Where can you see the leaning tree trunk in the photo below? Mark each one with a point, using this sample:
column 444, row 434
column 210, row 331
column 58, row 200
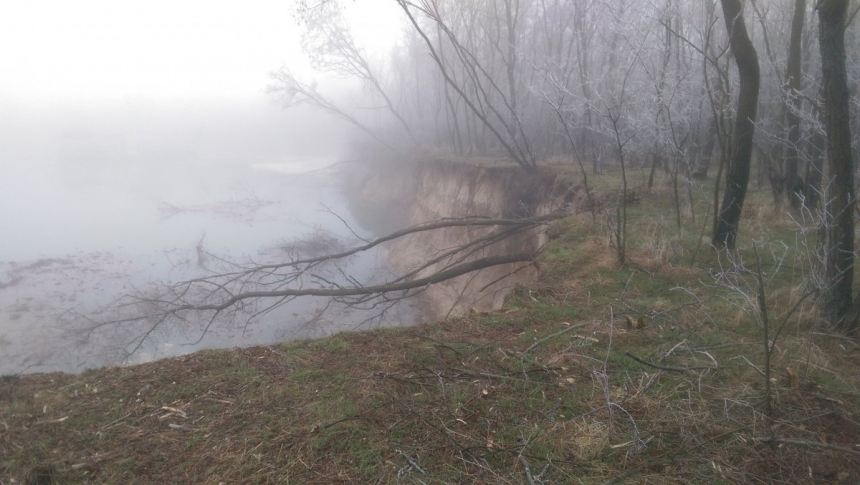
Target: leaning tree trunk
column 726, row 230
column 839, row 204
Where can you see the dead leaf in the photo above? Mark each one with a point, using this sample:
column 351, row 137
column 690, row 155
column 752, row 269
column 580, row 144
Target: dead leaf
column 636, row 324
column 793, row 381
column 491, row 439
column 554, row 359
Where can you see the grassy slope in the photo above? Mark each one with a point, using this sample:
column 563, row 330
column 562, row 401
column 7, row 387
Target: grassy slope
column 544, row 391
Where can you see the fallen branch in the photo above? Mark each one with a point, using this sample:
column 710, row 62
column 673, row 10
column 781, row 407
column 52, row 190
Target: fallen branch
column 253, row 290
column 364, row 290
column 53, row 421
column 181, row 427
column 115, row 421
column 666, row 368
column 476, row 221
column 560, row 332
column 809, row 444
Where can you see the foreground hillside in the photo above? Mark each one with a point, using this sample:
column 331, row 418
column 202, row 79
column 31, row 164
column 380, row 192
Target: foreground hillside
column 649, row 373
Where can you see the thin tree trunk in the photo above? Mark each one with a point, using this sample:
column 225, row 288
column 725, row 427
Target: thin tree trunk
column 708, row 150
column 511, row 18
column 450, row 111
column 585, row 82
column 793, row 182
column 661, row 84
column 815, row 167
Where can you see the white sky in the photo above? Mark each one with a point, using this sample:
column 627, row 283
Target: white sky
column 83, row 49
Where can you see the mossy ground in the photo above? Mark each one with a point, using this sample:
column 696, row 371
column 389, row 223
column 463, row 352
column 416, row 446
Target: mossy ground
column 550, row 389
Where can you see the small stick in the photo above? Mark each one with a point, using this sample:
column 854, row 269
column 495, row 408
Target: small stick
column 811, row 444
column 528, row 469
column 561, row 332
column 412, row 462
column 115, row 421
column 181, row 427
column 627, row 284
column 663, row 367
column 752, row 365
column 667, row 354
column 53, row 421
column 840, row 337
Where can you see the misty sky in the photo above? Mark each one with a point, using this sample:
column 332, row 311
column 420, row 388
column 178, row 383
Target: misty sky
column 60, row 49
column 112, row 111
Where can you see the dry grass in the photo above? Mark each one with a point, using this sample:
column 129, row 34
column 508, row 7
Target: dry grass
column 552, row 389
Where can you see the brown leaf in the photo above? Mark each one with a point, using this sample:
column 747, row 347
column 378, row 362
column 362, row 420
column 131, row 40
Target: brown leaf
column 793, row 381
column 637, row 324
column 629, row 320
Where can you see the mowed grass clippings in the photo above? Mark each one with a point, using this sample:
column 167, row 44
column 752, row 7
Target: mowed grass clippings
column 647, row 373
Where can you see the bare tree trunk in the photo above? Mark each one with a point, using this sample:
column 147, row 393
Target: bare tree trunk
column 739, row 170
column 704, row 163
column 450, row 111
column 658, row 117
column 478, row 79
column 815, row 166
column 793, row 182
column 839, row 206
column 584, row 38
column 512, row 13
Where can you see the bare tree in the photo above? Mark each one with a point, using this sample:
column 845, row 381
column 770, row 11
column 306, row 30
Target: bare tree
column 500, row 117
column 290, row 91
column 726, row 229
column 332, row 49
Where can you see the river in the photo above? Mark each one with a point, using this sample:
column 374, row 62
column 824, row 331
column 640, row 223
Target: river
column 90, row 220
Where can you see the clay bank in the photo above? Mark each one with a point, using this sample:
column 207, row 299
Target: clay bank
column 387, row 196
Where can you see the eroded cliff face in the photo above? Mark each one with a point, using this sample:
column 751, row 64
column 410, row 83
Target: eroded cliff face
column 407, row 194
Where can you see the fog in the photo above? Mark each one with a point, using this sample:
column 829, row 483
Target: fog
column 139, row 146
column 74, row 172
column 101, row 198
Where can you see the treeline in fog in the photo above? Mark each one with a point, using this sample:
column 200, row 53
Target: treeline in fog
column 576, row 80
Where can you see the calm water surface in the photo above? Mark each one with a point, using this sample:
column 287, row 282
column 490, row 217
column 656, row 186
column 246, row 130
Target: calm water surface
column 80, row 231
